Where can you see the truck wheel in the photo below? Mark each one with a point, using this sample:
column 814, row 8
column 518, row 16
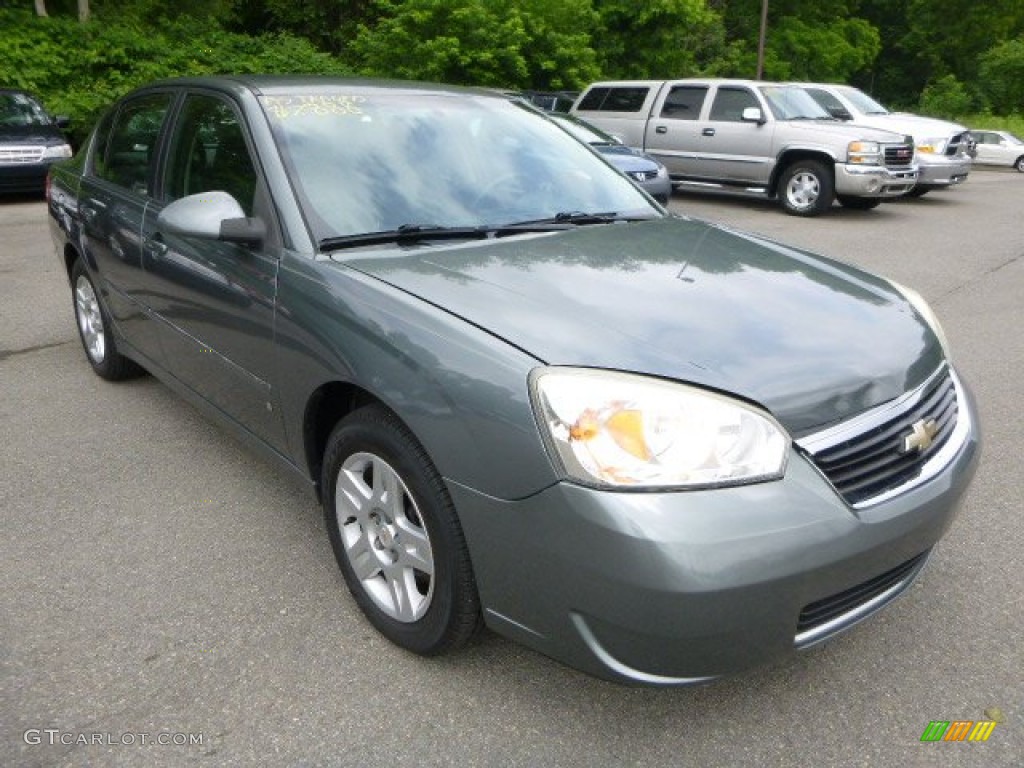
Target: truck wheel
column 859, row 203
column 806, row 188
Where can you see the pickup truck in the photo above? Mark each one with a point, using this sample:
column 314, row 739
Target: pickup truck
column 943, row 148
column 754, row 138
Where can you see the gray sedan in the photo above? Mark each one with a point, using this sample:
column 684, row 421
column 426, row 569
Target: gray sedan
column 528, row 398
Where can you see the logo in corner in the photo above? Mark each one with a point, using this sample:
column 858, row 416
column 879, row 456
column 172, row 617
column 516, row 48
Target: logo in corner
column 921, row 435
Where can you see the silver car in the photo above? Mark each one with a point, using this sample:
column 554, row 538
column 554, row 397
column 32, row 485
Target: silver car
column 999, row 148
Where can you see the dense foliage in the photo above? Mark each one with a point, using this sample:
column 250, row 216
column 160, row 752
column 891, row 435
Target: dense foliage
column 945, row 57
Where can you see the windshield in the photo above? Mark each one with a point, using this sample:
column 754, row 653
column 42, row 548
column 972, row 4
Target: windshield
column 366, row 160
column 19, row 110
column 1012, row 138
column 788, row 102
column 862, row 102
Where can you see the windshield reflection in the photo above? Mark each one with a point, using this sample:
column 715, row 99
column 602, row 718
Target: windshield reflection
column 373, row 160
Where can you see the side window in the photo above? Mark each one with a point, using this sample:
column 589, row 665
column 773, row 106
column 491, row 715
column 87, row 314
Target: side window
column 594, row 99
column 625, row 99
column 129, row 151
column 684, row 102
column 208, row 152
column 730, row 102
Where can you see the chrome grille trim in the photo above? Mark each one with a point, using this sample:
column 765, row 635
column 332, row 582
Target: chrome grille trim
column 863, row 600
column 860, row 427
column 17, row 155
column 898, row 155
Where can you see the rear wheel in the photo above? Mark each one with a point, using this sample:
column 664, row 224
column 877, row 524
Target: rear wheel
column 95, row 332
column 1019, row 165
column 806, row 188
column 396, row 536
column 859, row 203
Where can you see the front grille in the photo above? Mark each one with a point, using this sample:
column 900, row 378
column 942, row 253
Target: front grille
column 878, row 459
column 20, row 155
column 958, row 144
column 643, row 175
column 829, row 609
column 899, row 155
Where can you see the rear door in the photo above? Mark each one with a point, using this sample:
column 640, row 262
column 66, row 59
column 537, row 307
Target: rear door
column 216, row 299
column 116, row 189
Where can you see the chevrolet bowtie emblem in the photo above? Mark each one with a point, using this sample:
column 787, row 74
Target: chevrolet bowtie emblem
column 920, row 437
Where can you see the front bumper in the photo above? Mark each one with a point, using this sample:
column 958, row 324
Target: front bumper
column 874, row 181
column 938, row 171
column 675, row 588
column 26, row 178
column 660, row 188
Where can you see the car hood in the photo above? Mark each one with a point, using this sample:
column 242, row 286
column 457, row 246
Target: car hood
column 31, row 134
column 917, row 126
column 812, row 340
column 825, row 132
column 626, row 159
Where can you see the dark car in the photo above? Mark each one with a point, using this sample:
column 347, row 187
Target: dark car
column 30, row 142
column 643, row 169
column 527, row 397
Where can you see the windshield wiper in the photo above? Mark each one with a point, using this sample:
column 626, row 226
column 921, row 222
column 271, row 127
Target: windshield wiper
column 581, row 218
column 417, row 233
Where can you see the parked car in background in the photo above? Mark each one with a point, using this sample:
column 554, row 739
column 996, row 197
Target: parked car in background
column 943, row 148
column 753, row 138
column 998, row 148
column 644, row 170
column 526, row 395
column 30, row 141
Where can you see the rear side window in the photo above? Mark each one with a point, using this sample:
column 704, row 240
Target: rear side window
column 615, row 99
column 730, row 102
column 684, row 102
column 126, row 160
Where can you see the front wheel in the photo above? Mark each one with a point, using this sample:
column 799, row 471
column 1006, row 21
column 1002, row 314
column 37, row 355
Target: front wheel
column 396, row 536
column 859, row 203
column 94, row 329
column 806, row 188
column 918, row 191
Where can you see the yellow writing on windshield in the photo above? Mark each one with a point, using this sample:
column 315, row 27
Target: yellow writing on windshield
column 284, row 107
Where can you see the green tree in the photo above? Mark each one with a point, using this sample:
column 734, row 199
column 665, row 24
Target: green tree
column 1001, row 77
column 658, row 38
column 479, row 42
column 945, row 97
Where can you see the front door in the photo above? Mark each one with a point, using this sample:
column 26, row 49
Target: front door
column 216, row 298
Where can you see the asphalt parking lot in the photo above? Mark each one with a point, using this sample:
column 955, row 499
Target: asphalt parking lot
column 161, row 583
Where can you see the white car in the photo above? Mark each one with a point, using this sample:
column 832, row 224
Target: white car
column 999, row 148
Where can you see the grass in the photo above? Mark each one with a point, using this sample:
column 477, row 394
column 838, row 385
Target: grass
column 1012, row 123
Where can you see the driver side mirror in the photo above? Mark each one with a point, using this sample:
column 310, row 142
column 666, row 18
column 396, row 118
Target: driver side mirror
column 753, row 115
column 212, row 216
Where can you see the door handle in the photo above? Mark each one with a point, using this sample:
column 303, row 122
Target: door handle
column 156, row 247
column 661, row 129
column 708, row 132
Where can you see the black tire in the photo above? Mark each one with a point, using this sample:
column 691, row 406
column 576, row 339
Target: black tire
column 95, row 330
column 859, row 203
column 1019, row 164
column 383, row 544
column 806, row 188
column 918, row 191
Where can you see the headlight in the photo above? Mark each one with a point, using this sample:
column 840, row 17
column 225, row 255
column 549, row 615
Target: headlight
column 925, row 311
column 624, row 430
column 863, row 153
column 932, row 146
column 57, row 152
